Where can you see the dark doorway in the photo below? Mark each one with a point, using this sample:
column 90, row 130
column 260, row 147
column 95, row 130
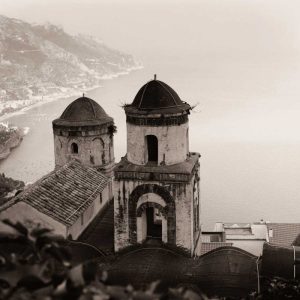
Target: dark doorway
column 154, row 227
column 152, row 145
column 74, row 148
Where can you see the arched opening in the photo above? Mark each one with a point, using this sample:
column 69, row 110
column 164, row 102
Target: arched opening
column 154, row 223
column 138, row 213
column 151, row 220
column 152, row 148
column 74, row 148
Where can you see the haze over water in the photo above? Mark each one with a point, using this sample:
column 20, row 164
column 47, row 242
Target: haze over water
column 237, row 60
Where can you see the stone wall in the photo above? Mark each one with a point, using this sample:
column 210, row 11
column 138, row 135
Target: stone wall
column 178, row 198
column 88, row 215
column 93, row 150
column 173, row 146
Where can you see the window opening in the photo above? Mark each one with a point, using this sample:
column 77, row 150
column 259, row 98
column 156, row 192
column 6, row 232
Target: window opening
column 152, row 146
column 74, row 148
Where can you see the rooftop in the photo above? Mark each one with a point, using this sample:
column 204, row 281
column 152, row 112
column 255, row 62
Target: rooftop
column 283, row 233
column 226, row 269
column 176, row 172
column 64, row 193
column 157, row 97
column 83, row 112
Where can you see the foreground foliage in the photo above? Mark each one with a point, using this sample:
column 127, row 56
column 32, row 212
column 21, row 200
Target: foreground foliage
column 40, row 268
column 35, row 264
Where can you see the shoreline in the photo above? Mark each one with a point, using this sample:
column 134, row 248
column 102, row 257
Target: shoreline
column 70, row 93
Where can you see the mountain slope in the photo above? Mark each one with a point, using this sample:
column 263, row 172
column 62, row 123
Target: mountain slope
column 38, row 60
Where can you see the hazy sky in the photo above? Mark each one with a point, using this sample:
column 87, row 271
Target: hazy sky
column 251, row 28
column 244, row 49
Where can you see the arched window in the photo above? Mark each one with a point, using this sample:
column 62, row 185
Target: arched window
column 152, row 148
column 74, row 148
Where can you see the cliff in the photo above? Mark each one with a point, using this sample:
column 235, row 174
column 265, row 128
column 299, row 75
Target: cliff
column 10, row 137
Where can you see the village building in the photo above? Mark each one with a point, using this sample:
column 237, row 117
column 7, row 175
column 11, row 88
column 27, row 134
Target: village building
column 68, row 198
column 247, row 236
column 283, row 234
column 156, row 191
column 211, row 240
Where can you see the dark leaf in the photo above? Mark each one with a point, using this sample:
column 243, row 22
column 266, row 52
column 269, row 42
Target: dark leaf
column 89, row 272
column 4, row 284
column 36, row 232
column 17, row 226
column 43, row 241
column 31, row 283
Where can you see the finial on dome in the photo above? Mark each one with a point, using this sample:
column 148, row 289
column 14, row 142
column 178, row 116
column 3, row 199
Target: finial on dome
column 154, row 76
column 82, row 94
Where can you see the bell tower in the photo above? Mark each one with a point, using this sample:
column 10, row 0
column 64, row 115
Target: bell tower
column 85, row 132
column 156, row 190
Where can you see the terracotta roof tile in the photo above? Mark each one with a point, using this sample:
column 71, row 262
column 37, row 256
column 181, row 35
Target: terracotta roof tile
column 283, row 233
column 206, row 247
column 64, row 193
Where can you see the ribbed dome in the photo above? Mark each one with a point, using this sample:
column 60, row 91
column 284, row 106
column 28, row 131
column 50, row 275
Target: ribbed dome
column 83, row 111
column 156, row 95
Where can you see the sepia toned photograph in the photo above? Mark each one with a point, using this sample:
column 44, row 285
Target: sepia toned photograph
column 149, row 149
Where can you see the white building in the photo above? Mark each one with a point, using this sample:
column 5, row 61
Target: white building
column 247, row 236
column 65, row 200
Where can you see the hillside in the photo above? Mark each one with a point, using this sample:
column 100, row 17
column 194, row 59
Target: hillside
column 40, row 60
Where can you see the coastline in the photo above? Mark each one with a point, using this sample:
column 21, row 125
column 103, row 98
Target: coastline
column 66, row 94
column 16, row 139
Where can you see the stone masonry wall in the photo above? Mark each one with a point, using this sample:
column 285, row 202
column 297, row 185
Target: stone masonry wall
column 181, row 194
column 172, row 143
column 94, row 151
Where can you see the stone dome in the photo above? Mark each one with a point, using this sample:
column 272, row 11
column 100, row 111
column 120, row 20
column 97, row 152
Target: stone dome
column 157, row 95
column 83, row 112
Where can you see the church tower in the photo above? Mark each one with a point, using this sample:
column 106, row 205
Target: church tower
column 156, row 190
column 85, row 132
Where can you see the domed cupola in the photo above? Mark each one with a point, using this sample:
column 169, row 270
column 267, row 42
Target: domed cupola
column 83, row 112
column 157, row 96
column 84, row 132
column 158, row 119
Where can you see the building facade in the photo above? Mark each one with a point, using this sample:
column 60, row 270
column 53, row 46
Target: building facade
column 156, row 187
column 66, row 200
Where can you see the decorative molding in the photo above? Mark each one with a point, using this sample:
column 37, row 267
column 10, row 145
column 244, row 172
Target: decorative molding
column 162, row 121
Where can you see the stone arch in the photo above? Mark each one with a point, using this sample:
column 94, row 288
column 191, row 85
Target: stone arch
column 145, row 205
column 169, row 210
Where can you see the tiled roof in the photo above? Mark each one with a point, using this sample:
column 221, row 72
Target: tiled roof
column 83, row 112
column 157, row 96
column 283, row 233
column 296, row 242
column 64, row 193
column 206, row 247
